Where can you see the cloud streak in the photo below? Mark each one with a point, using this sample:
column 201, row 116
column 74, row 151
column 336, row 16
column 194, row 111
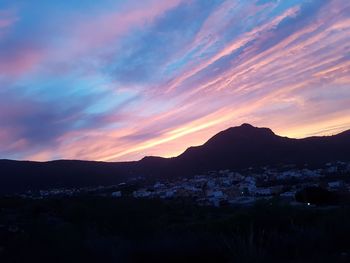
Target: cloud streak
column 127, row 80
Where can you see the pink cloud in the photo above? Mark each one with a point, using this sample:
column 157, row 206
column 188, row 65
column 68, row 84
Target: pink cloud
column 21, row 61
column 280, row 80
column 89, row 33
column 5, row 22
column 7, row 18
column 234, row 45
column 84, row 35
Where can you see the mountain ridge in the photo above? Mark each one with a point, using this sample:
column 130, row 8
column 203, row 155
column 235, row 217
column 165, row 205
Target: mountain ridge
column 234, row 148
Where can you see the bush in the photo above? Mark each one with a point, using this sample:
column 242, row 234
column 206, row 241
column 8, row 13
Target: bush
column 316, row 196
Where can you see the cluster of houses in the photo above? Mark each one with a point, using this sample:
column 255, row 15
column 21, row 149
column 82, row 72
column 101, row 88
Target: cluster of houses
column 226, row 187
column 244, row 188
column 69, row 192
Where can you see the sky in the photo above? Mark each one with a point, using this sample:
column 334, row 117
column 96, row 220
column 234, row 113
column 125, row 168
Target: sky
column 118, row 80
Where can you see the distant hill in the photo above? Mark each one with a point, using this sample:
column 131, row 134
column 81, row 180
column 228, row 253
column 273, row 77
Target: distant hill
column 235, row 148
column 248, row 146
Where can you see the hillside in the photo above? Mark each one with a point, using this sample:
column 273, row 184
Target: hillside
column 235, row 148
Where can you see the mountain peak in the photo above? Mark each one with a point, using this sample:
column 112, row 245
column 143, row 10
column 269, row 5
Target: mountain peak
column 247, row 125
column 243, row 134
column 247, row 129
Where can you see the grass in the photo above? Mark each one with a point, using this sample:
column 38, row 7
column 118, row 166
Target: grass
column 93, row 229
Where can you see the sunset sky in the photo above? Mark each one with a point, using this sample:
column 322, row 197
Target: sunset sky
column 118, row 80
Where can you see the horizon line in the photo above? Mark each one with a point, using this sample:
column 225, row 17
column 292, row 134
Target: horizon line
column 169, row 157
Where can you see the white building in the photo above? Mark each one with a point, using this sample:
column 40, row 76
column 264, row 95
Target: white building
column 117, row 194
column 263, row 191
column 141, row 194
column 335, row 184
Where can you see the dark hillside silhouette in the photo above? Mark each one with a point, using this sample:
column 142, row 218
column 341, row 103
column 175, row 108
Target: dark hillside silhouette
column 235, row 148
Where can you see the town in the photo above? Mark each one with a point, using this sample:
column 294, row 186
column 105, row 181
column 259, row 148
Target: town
column 223, row 187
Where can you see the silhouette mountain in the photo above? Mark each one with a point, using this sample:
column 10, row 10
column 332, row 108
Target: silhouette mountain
column 247, row 146
column 235, row 148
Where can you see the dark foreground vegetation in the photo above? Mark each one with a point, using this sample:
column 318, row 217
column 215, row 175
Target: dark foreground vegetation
column 91, row 229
